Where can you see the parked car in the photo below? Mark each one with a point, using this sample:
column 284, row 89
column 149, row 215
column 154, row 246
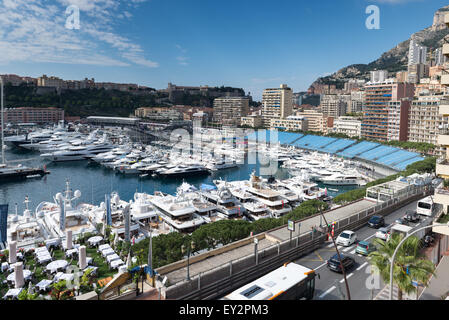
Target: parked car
column 383, row 233
column 364, row 248
column 334, row 263
column 346, row 238
column 402, row 221
column 411, row 216
column 376, row 222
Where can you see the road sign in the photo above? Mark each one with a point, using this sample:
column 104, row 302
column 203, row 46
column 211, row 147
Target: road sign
column 291, row 225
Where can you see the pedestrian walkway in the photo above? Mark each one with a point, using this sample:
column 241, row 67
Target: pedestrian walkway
column 439, row 284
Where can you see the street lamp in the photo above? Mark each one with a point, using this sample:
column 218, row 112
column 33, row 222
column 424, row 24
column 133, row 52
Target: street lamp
column 400, row 244
column 189, row 250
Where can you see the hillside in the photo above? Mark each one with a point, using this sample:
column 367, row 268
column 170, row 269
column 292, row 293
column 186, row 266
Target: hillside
column 395, row 59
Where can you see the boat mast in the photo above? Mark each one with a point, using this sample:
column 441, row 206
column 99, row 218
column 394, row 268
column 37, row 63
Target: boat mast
column 3, row 123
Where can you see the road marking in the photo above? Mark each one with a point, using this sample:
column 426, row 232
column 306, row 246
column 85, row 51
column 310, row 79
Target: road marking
column 320, row 266
column 348, row 248
column 362, row 266
column 352, row 252
column 326, row 292
column 418, row 224
column 330, row 245
column 369, row 237
column 347, row 277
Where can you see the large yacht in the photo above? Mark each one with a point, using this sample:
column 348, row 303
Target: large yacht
column 78, row 152
column 26, row 229
column 177, row 211
column 61, row 215
column 228, row 205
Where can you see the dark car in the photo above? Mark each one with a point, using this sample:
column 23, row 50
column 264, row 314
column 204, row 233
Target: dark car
column 411, row 216
column 334, row 263
column 376, row 222
column 402, row 221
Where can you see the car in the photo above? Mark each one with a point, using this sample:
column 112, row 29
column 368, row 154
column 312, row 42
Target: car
column 402, row 221
column 334, row 263
column 346, row 238
column 383, row 233
column 376, row 222
column 365, row 248
column 411, row 216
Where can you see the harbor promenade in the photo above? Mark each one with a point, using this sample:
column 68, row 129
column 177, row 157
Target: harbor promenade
column 223, row 255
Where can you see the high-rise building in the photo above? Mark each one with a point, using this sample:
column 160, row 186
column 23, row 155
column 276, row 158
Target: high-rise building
column 375, row 109
column 398, row 120
column 416, row 72
column 276, row 103
column 417, row 54
column 357, row 99
column 439, row 57
column 378, row 75
column 229, row 110
column 333, row 105
column 316, row 121
column 442, row 166
column 425, row 122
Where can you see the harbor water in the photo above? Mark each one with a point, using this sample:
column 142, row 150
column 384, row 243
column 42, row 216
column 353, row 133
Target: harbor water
column 94, row 181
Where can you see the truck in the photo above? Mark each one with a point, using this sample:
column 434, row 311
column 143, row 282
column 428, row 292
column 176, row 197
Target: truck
column 403, row 229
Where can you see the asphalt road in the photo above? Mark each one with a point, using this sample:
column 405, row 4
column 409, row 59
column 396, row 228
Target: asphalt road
column 362, row 285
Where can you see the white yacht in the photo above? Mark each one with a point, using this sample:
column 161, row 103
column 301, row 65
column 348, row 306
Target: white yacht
column 342, row 180
column 177, row 211
column 60, row 215
column 78, row 152
column 228, row 205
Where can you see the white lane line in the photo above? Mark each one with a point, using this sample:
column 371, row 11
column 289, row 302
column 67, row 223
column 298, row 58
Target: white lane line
column 347, row 277
column 348, row 248
column 362, row 266
column 330, row 245
column 369, row 237
column 417, row 224
column 352, row 252
column 320, row 266
column 326, row 292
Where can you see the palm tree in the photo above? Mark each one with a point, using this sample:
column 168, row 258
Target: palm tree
column 409, row 263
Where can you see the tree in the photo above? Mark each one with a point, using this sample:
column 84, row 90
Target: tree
column 26, row 295
column 59, row 290
column 409, row 264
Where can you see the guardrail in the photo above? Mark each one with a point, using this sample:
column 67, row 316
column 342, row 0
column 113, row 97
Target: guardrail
column 221, row 280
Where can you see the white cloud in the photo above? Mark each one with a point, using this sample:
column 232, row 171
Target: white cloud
column 34, row 31
column 182, row 59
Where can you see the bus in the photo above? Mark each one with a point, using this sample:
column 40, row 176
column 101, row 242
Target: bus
column 425, row 206
column 289, row 282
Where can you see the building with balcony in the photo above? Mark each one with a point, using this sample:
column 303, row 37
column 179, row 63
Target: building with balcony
column 442, row 166
column 316, row 121
column 375, row 109
column 349, row 126
column 292, row 123
column 398, row 119
column 277, row 103
column 334, row 105
column 229, row 110
column 252, row 121
column 33, row 115
column 425, row 121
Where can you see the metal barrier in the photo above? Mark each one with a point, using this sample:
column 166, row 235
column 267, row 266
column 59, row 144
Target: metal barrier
column 221, row 280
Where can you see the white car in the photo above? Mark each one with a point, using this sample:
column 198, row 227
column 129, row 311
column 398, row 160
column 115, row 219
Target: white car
column 346, row 238
column 383, row 233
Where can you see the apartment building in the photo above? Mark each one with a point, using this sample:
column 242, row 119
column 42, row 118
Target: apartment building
column 375, row 109
column 353, row 84
column 349, row 126
column 229, row 110
column 425, row 122
column 33, row 115
column 356, row 103
column 16, row 80
column 252, row 121
column 292, row 123
column 277, row 103
column 334, row 105
column 159, row 113
column 416, row 72
column 316, row 121
column 416, row 54
column 398, row 120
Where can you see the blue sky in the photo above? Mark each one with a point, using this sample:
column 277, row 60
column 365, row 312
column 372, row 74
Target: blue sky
column 242, row 43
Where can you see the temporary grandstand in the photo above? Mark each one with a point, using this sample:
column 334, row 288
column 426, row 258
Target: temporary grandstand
column 374, row 153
